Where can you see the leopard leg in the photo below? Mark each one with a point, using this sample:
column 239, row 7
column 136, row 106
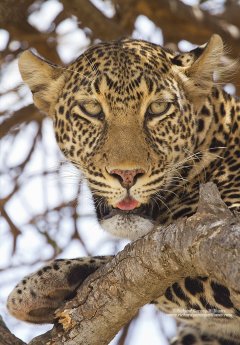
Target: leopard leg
column 39, row 294
column 191, row 335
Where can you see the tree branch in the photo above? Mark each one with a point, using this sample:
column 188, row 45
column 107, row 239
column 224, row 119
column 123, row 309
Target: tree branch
column 23, row 115
column 146, row 267
column 6, row 337
column 89, row 16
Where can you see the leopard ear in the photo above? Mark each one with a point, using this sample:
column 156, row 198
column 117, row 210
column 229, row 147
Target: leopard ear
column 198, row 66
column 43, row 78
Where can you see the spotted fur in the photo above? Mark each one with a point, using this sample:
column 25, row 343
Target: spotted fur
column 101, row 106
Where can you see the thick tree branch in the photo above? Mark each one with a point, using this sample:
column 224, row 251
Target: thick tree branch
column 89, row 16
column 6, row 337
column 192, row 23
column 145, row 268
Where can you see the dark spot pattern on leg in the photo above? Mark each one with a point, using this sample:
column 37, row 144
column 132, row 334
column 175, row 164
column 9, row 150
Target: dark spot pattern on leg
column 227, row 342
column 221, row 295
column 168, row 294
column 188, row 339
column 205, row 337
column 79, row 273
column 33, row 293
column 194, row 285
column 206, row 305
column 179, row 292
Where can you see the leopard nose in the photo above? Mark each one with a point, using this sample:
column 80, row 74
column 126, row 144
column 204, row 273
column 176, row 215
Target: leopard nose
column 127, row 178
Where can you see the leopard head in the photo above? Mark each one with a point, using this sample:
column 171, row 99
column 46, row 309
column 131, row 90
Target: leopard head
column 125, row 113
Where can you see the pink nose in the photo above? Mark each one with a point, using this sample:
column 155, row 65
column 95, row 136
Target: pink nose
column 127, row 178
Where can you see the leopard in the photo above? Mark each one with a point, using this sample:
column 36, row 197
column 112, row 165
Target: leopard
column 146, row 126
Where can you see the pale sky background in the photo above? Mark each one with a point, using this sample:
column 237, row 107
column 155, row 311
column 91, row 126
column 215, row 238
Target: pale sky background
column 152, row 327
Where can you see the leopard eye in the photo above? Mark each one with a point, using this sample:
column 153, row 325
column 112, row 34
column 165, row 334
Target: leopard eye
column 158, row 108
column 93, row 109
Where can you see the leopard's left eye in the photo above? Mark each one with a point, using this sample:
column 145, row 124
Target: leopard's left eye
column 93, row 109
column 158, row 108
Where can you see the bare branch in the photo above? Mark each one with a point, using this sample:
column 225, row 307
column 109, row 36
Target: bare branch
column 107, row 28
column 26, row 114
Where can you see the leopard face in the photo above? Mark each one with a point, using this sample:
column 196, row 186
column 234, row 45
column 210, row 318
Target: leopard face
column 126, row 114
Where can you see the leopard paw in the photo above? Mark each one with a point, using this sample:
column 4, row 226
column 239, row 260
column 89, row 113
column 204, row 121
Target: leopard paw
column 39, row 294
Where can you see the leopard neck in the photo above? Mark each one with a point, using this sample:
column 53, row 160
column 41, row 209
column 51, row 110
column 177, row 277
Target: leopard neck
column 215, row 122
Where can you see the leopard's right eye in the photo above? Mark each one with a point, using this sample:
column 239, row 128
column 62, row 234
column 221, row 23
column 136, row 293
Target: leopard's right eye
column 158, row 108
column 92, row 109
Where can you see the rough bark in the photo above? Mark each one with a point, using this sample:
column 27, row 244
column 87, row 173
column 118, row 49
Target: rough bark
column 111, row 297
column 6, row 337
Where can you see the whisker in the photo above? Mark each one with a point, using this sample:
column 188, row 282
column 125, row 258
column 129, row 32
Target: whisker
column 154, row 201
column 94, row 69
column 157, row 197
column 167, row 190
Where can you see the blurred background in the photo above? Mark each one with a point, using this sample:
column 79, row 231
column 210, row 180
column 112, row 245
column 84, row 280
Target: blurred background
column 46, row 209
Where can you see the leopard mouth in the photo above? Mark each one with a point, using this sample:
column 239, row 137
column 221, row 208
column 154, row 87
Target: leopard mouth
column 148, row 211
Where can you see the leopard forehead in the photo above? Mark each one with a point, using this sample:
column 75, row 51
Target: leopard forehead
column 125, row 57
column 116, row 69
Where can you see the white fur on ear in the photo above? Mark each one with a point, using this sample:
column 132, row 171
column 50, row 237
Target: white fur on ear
column 43, row 78
column 210, row 59
column 197, row 68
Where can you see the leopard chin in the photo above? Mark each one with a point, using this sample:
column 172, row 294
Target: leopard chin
column 127, row 224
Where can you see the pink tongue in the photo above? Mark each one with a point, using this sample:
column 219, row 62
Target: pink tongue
column 127, row 204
